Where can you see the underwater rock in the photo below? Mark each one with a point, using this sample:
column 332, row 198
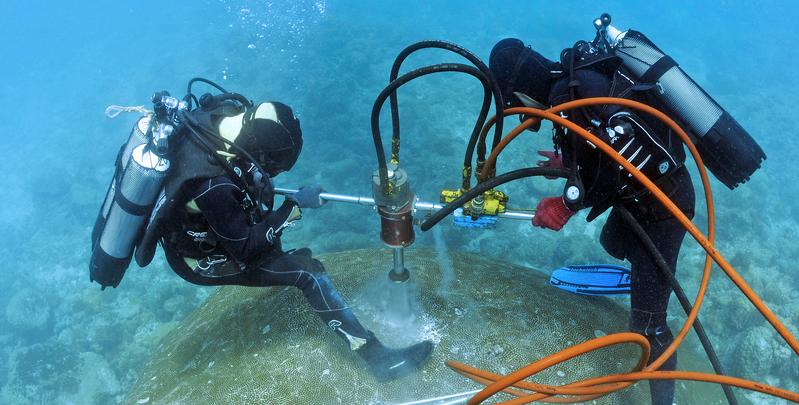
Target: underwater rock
column 38, row 374
column 97, row 381
column 46, row 373
column 266, row 345
column 761, row 352
column 28, row 310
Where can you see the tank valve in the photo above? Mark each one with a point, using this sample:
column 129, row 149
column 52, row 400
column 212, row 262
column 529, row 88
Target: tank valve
column 395, row 206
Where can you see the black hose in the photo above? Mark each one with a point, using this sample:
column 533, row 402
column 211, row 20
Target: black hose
column 218, row 99
column 391, row 88
column 482, row 187
column 190, row 96
column 490, row 87
column 203, row 142
column 206, row 81
column 202, row 136
column 208, row 134
column 678, row 291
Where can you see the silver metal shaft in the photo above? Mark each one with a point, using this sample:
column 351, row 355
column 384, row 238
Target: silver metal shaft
column 417, row 205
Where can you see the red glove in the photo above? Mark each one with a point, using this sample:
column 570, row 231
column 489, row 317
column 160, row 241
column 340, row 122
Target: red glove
column 554, row 161
column 552, row 213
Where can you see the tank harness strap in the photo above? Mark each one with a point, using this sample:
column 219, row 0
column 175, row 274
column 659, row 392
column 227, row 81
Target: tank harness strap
column 127, row 205
column 658, row 69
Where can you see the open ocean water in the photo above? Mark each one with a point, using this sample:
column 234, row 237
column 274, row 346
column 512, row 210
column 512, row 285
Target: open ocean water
column 63, row 341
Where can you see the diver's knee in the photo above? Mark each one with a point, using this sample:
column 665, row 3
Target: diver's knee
column 316, row 267
column 313, row 276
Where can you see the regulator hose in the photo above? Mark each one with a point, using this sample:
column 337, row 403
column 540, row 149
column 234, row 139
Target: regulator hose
column 190, row 96
column 202, row 136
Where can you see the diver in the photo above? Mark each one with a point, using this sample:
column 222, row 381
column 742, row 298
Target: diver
column 597, row 182
column 217, row 225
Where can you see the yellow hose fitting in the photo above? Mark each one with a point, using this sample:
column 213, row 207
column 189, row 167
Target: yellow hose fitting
column 494, row 202
column 448, row 196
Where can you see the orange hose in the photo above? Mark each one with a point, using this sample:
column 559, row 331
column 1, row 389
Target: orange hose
column 491, row 161
column 478, row 374
column 557, row 358
column 599, row 386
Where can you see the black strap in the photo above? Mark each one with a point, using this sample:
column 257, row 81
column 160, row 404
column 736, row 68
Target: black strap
column 658, row 69
column 129, row 206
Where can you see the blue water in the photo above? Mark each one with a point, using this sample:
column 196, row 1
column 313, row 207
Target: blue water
column 64, row 341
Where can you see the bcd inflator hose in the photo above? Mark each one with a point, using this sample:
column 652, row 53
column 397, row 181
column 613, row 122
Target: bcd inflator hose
column 594, row 387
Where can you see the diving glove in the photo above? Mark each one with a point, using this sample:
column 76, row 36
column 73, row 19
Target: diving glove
column 387, row 364
column 552, row 213
column 554, row 161
column 307, row 197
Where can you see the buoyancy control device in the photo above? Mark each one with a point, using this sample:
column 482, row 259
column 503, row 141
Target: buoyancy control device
column 730, row 153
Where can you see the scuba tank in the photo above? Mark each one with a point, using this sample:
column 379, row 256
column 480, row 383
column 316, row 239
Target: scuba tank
column 726, row 148
column 138, row 136
column 141, row 168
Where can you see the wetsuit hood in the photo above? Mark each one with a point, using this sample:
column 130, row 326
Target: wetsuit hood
column 518, row 68
column 269, row 132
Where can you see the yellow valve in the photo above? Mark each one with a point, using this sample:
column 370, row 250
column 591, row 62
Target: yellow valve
column 448, row 196
column 494, row 202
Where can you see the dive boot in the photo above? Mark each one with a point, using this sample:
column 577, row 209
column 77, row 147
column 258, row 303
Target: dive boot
column 388, row 364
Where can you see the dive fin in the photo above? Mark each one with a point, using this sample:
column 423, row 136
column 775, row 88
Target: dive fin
column 592, row 279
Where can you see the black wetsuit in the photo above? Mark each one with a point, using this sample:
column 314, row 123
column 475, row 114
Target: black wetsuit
column 218, row 245
column 608, row 186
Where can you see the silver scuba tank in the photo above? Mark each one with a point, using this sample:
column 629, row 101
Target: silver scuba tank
column 726, row 148
column 128, row 203
column 138, row 136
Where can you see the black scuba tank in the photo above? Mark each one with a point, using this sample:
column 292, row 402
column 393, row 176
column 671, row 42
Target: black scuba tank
column 137, row 182
column 730, row 153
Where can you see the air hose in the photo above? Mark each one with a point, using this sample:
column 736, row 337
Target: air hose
column 490, row 87
column 594, row 387
column 391, row 89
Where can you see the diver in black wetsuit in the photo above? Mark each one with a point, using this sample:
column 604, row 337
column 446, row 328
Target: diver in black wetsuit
column 647, row 144
column 213, row 235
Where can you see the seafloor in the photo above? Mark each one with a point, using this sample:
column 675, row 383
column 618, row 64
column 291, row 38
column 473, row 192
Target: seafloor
column 66, row 342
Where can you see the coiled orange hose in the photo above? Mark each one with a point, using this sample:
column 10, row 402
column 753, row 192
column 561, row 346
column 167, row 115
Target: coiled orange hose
column 594, row 387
